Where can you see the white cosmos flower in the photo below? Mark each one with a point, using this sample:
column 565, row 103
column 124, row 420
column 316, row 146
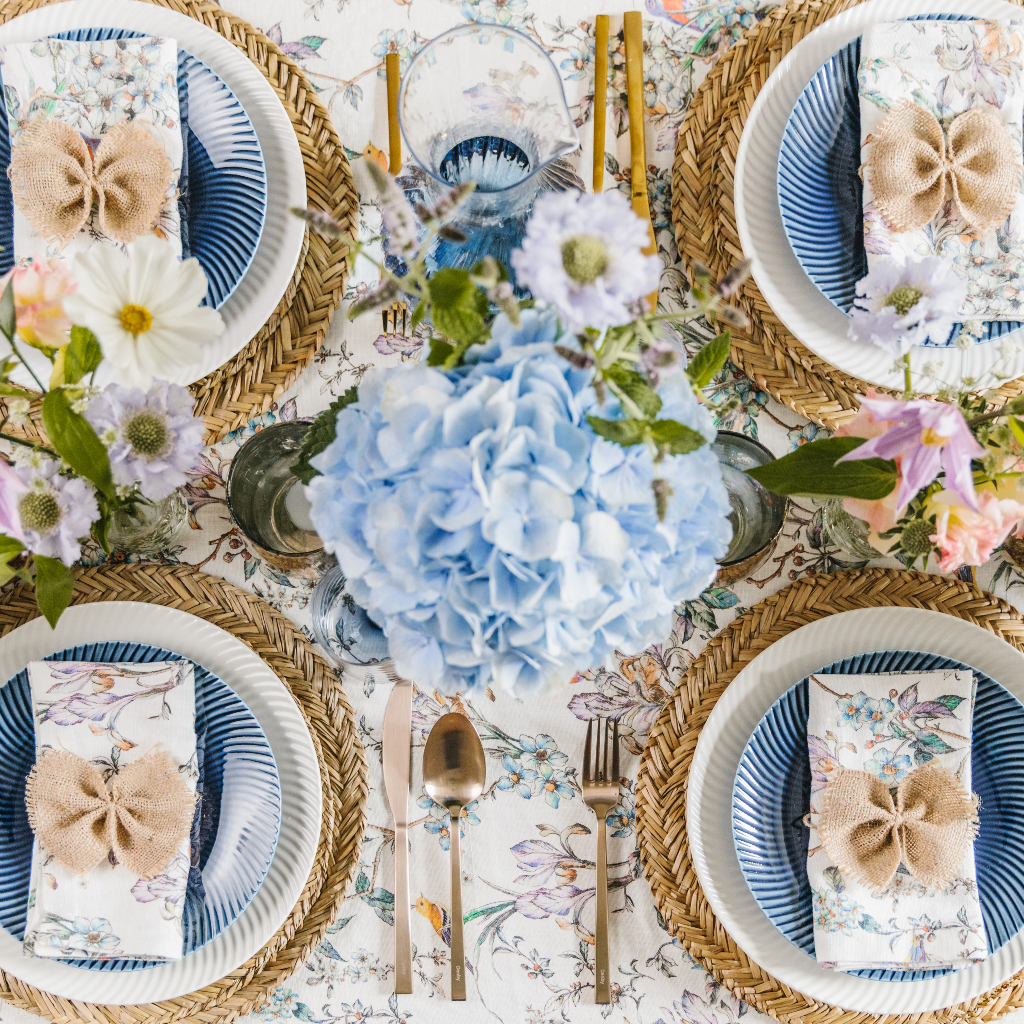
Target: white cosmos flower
column 144, row 308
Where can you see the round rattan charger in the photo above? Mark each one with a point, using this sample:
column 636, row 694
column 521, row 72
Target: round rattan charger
column 705, row 221
column 664, row 768
column 342, row 771
column 270, row 362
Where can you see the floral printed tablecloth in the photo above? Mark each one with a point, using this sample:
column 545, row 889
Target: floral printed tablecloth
column 529, row 840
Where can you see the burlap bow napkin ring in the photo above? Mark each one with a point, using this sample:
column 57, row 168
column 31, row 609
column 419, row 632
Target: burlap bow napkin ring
column 914, row 167
column 142, row 818
column 929, row 828
column 56, row 180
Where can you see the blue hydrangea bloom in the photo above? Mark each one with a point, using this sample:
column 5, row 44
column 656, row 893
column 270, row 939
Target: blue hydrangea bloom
column 493, row 536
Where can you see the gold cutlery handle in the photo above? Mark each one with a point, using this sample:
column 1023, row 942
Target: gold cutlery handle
column 601, row 972
column 403, row 939
column 458, row 952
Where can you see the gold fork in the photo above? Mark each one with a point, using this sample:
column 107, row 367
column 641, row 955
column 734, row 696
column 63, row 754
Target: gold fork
column 395, row 318
column 392, row 73
column 601, row 794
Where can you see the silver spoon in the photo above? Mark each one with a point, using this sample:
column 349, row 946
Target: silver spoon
column 454, row 773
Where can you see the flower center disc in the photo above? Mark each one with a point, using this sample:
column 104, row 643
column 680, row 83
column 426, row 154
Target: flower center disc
column 146, row 433
column 136, row 319
column 39, row 511
column 585, row 258
column 915, row 538
column 932, row 439
column 903, row 299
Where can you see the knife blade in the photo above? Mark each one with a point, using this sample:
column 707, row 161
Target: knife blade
column 396, row 756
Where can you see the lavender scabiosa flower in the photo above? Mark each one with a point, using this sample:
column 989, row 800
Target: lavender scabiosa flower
column 152, row 435
column 582, row 254
column 12, row 487
column 931, row 437
column 55, row 510
column 396, row 212
column 899, row 305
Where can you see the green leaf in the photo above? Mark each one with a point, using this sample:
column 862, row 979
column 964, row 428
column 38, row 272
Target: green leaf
column 709, row 360
column 418, row 314
column 951, row 700
column 458, row 308
column 812, row 471
column 1018, row 428
column 680, row 438
column 101, row 531
column 55, row 583
column 439, row 352
column 8, row 390
column 10, row 546
column 934, row 742
column 320, row 434
column 8, row 319
column 82, row 355
column 635, row 387
column 922, row 756
column 76, row 442
column 624, row 432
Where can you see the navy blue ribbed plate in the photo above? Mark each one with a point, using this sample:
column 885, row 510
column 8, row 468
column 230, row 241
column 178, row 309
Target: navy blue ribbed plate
column 223, row 185
column 820, row 190
column 231, row 854
column 773, row 792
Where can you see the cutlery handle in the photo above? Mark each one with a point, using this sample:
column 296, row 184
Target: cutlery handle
column 601, row 993
column 458, row 953
column 403, row 940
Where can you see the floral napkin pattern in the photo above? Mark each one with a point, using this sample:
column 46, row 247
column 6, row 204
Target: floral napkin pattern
column 888, row 724
column 92, row 86
column 948, row 67
column 111, row 714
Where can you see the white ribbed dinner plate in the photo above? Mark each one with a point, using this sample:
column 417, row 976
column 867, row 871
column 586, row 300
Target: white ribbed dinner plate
column 257, row 295
column 713, row 772
column 807, row 314
column 301, row 802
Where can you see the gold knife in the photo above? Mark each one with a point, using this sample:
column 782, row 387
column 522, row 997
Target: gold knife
column 397, row 753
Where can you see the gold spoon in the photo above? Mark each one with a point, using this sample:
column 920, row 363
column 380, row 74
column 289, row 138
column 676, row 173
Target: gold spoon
column 454, row 773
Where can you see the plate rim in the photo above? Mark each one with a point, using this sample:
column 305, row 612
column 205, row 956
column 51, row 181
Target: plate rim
column 282, row 721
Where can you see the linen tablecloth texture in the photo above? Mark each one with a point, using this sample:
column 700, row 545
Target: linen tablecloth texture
column 948, row 67
column 93, row 86
column 111, row 715
column 868, row 723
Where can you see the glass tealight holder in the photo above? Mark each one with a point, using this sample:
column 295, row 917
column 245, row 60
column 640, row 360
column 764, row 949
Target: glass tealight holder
column 267, row 503
column 341, row 627
column 757, row 514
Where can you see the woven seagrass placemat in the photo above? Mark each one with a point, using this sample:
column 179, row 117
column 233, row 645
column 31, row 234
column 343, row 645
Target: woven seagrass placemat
column 705, row 220
column 665, row 765
column 248, row 383
column 342, row 771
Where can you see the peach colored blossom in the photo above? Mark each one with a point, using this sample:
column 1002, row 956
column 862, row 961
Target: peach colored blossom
column 966, row 537
column 880, row 514
column 39, row 291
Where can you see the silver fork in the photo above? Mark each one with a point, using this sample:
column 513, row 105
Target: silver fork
column 601, row 794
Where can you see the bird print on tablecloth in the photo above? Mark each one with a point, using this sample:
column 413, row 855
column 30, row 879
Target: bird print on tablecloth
column 440, row 921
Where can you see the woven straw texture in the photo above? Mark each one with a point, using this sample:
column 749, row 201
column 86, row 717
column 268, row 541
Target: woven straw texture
column 248, row 384
column 664, row 767
column 705, row 219
column 342, row 770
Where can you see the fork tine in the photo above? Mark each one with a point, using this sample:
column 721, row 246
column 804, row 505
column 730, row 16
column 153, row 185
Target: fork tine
column 605, row 777
column 586, row 753
column 615, row 751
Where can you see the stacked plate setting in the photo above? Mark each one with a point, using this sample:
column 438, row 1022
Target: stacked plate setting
column 749, row 786
column 797, row 201
column 258, row 766
column 243, row 169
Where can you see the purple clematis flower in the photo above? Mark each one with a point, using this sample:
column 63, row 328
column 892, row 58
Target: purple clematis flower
column 932, row 437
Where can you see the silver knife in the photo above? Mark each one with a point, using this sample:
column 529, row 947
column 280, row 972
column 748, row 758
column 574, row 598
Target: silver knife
column 397, row 754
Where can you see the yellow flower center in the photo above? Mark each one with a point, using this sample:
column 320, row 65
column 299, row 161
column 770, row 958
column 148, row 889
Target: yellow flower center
column 136, row 319
column 932, row 439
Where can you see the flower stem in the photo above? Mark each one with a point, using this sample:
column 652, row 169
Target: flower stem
column 907, row 383
column 17, row 352
column 27, row 444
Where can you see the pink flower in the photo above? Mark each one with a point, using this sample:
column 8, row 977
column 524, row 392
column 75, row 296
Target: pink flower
column 12, row 487
column 880, row 515
column 39, row 291
column 932, row 438
column 966, row 537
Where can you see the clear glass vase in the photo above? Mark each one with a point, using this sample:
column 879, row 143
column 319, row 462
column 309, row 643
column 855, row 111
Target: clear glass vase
column 846, row 531
column 152, row 528
column 485, row 104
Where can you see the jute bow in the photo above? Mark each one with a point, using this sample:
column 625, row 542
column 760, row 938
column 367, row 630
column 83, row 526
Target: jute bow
column 914, row 167
column 142, row 817
column 56, row 180
column 929, row 827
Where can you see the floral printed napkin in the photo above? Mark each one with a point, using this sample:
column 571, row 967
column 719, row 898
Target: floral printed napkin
column 111, row 714
column 949, row 67
column 91, row 87
column 888, row 724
